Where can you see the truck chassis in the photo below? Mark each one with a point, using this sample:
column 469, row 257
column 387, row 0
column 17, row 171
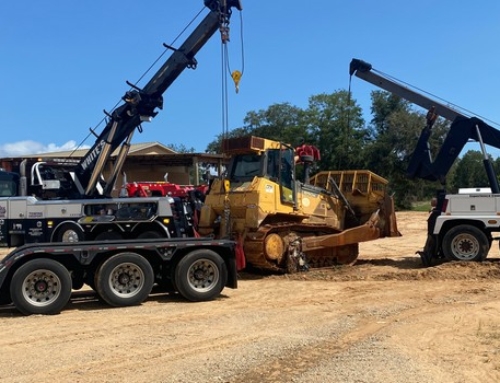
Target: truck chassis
column 39, row 278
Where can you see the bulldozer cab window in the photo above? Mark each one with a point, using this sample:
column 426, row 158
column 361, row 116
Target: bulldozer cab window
column 245, row 167
column 280, row 169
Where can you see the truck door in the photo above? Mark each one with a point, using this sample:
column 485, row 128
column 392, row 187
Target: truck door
column 12, row 213
column 26, row 221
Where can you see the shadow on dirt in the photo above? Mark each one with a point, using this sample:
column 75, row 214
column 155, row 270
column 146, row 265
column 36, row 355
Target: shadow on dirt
column 403, row 263
column 88, row 300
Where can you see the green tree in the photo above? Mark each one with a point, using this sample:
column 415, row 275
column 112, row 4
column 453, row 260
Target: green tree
column 331, row 122
column 470, row 171
column 280, row 122
column 395, row 129
column 390, row 123
column 336, row 127
column 180, row 148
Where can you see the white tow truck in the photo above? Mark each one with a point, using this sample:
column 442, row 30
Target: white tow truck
column 460, row 226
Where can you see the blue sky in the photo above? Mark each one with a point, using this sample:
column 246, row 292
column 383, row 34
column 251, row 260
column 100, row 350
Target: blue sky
column 63, row 62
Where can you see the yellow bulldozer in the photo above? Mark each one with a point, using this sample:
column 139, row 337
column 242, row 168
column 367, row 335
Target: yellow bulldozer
column 284, row 224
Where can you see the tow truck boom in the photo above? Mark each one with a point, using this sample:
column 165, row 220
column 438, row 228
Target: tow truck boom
column 462, row 129
column 460, row 227
column 66, row 200
column 140, row 105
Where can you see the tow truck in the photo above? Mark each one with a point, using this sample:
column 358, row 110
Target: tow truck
column 461, row 227
column 69, row 232
column 66, row 201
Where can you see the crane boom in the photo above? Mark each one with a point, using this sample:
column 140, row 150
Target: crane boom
column 140, row 105
column 364, row 71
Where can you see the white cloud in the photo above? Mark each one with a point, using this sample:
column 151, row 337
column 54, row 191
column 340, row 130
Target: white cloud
column 16, row 149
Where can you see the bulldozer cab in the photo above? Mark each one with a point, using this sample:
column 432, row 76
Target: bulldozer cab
column 277, row 165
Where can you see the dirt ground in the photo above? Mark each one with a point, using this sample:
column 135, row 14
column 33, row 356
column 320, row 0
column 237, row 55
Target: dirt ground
column 385, row 319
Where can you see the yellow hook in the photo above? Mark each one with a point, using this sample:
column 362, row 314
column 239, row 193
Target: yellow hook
column 236, row 75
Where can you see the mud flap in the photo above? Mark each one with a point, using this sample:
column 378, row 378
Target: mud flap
column 431, row 248
column 241, row 263
column 427, row 254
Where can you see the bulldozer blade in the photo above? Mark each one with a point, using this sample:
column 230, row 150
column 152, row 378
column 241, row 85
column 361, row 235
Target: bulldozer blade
column 362, row 233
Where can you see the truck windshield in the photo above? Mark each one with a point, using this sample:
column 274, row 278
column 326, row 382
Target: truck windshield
column 8, row 184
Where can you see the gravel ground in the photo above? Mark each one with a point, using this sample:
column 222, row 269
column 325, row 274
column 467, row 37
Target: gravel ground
column 383, row 320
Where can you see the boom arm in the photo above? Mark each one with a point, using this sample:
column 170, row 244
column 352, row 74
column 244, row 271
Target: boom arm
column 462, row 129
column 140, row 104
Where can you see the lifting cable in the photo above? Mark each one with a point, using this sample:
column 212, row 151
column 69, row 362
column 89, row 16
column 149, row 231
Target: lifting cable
column 236, row 75
column 349, row 106
column 464, row 111
column 348, row 123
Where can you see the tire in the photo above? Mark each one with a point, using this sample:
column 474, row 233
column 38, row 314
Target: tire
column 108, row 236
column 125, row 279
column 68, row 233
column 150, row 235
column 465, row 243
column 200, row 275
column 41, row 286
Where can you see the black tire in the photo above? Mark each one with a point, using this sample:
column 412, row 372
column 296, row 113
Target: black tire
column 465, row 243
column 125, row 279
column 69, row 233
column 200, row 275
column 108, row 236
column 150, row 235
column 41, row 286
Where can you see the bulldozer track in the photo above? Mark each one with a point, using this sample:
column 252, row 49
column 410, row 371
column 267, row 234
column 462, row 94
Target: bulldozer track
column 255, row 247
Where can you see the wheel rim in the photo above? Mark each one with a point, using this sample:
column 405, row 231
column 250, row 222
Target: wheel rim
column 465, row 247
column 126, row 280
column 203, row 275
column 41, row 287
column 70, row 236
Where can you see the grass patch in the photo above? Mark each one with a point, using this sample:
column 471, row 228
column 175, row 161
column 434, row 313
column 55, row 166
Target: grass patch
column 421, row 206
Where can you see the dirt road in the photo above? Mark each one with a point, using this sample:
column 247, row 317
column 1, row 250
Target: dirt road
column 385, row 319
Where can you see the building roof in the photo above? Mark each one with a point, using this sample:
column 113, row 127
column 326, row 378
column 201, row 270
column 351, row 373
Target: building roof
column 144, row 148
column 145, row 153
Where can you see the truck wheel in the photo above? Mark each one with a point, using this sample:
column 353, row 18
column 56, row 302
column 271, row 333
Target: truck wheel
column 465, row 243
column 124, row 280
column 41, row 286
column 200, row 275
column 69, row 233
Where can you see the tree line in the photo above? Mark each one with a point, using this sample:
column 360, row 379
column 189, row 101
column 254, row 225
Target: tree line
column 334, row 123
